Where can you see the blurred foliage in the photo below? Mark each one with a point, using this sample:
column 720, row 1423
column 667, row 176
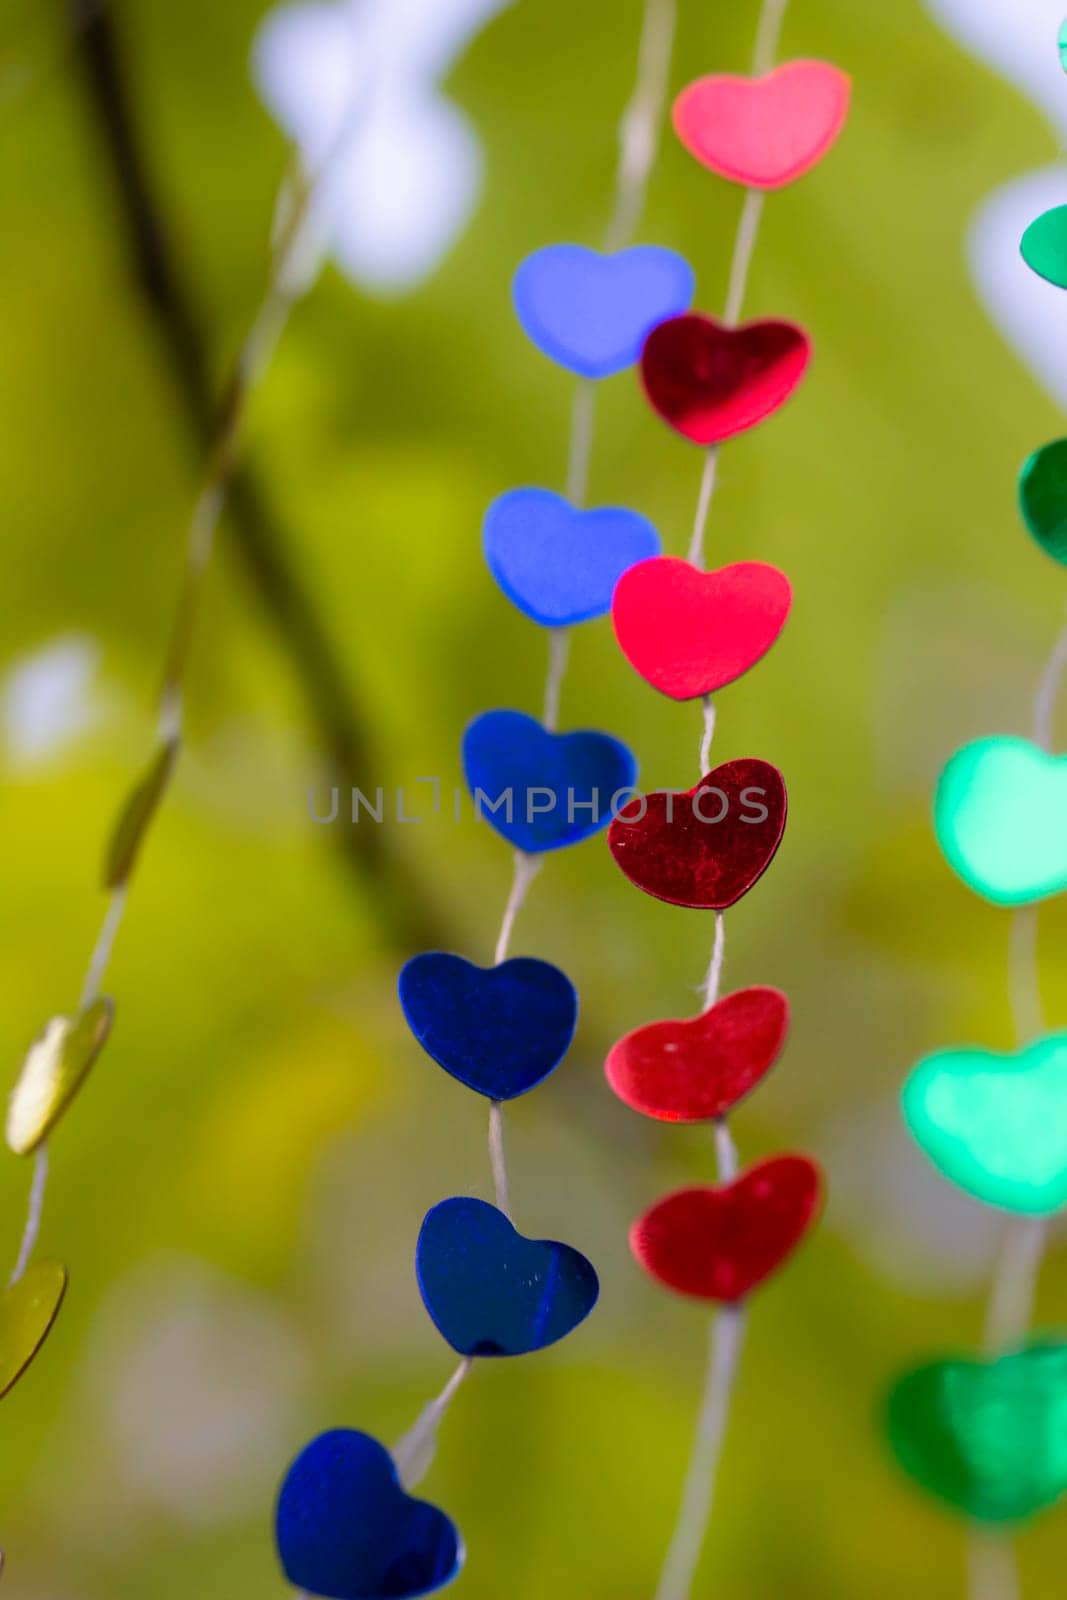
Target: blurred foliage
column 260, row 1116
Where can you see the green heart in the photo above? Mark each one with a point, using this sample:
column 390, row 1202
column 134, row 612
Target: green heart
column 988, row 1437
column 1043, row 498
column 28, row 1309
column 1063, row 46
column 1044, row 246
column 996, row 1125
column 1001, row 819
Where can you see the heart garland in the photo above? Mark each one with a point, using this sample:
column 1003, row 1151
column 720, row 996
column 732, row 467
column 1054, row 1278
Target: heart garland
column 987, row 1437
column 347, row 1526
column 690, row 633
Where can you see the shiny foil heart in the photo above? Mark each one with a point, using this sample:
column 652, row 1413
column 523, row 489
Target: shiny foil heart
column 996, row 1125
column 1043, row 498
column 689, row 633
column 989, row 1438
column 764, row 132
column 721, row 1243
column 491, row 1292
column 708, row 847
column 557, row 564
column 28, row 1310
column 1044, row 246
column 345, row 1529
column 699, row 1068
column 1000, row 815
column 543, row 790
column 710, row 382
column 499, row 1030
column 591, row 312
column 56, row 1066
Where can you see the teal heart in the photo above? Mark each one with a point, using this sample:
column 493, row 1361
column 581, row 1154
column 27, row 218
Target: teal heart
column 1043, row 498
column 996, row 1125
column 990, row 1438
column 1044, row 246
column 1001, row 819
column 1063, row 46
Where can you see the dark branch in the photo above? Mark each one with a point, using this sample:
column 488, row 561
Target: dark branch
column 260, row 544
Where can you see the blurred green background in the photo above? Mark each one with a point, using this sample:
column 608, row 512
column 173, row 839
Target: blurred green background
column 238, row 1192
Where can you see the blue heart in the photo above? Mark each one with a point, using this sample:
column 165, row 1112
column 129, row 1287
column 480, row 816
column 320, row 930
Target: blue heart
column 557, row 564
column 500, row 1030
column 491, row 1292
column 346, row 1530
column 591, row 312
column 548, row 789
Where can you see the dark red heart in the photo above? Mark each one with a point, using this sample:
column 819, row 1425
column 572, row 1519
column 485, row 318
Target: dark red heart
column 710, row 382
column 705, row 848
column 719, row 1243
column 689, row 633
column 697, row 1069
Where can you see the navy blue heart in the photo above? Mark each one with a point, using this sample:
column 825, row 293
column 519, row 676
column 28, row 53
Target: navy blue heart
column 557, row 564
column 500, row 1030
column 491, row 1292
column 591, row 312
column 543, row 790
column 346, row 1530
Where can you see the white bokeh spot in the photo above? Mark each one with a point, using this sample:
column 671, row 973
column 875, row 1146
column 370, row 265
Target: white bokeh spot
column 47, row 700
column 355, row 84
column 1018, row 39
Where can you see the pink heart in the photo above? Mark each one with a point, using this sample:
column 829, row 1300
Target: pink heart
column 764, row 132
column 689, row 632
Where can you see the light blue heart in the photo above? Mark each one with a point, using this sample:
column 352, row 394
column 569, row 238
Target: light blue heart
column 592, row 313
column 557, row 564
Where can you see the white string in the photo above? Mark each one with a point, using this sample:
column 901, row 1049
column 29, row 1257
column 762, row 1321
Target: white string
column 707, row 735
column 992, row 1572
column 718, row 955
column 414, row 1453
column 497, row 1157
column 105, row 944
column 725, row 1152
column 768, row 35
column 35, row 1211
column 580, row 448
column 1047, row 693
column 726, row 1339
column 559, row 646
column 727, row 1334
column 640, row 127
column 1024, row 979
column 1011, row 1303
column 526, row 870
column 695, row 553
column 744, row 250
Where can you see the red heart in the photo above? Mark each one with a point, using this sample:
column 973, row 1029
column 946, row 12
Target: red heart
column 719, row 1243
column 764, row 132
column 698, row 1069
column 689, row 632
column 710, row 382
column 705, row 848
